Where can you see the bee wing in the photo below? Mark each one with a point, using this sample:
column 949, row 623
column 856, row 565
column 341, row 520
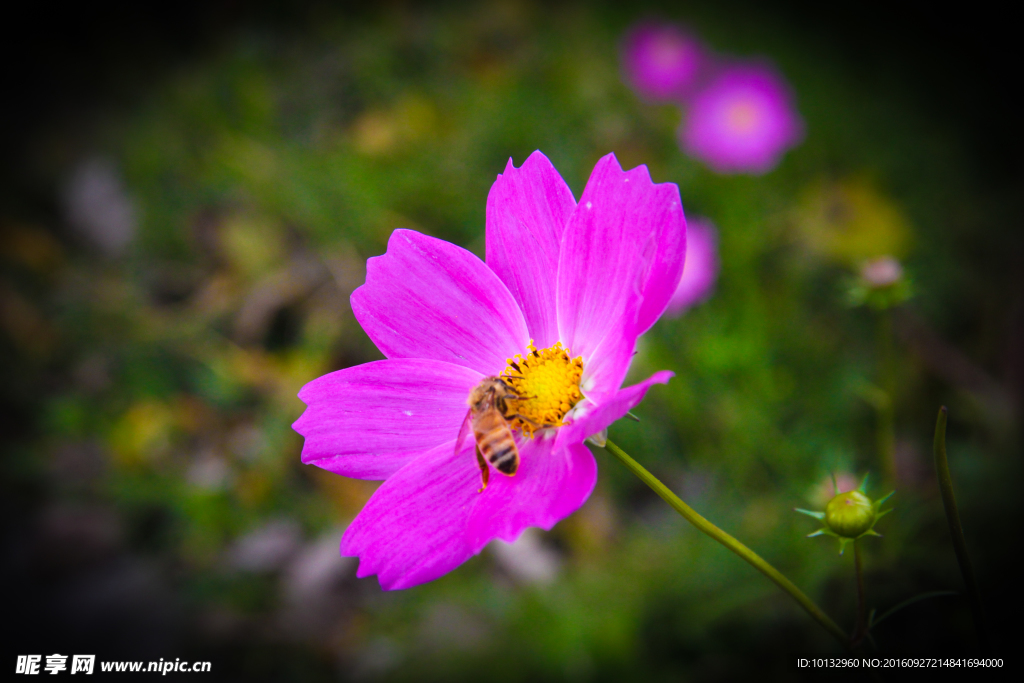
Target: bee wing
column 462, row 431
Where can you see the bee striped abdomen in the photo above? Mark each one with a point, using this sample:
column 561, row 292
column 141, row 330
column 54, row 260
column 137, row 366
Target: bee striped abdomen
column 505, row 458
column 497, row 444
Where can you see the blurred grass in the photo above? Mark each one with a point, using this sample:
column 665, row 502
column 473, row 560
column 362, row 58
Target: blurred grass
column 263, row 176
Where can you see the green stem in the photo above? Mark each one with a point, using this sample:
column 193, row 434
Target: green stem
column 691, row 515
column 908, row 602
column 886, row 409
column 955, row 530
column 861, row 629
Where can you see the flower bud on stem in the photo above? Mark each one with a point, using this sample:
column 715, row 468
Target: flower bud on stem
column 691, row 515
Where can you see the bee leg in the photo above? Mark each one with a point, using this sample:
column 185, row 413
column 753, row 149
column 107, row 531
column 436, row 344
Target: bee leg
column 536, row 425
column 484, row 472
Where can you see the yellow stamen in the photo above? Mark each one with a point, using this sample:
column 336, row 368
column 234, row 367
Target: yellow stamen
column 548, row 384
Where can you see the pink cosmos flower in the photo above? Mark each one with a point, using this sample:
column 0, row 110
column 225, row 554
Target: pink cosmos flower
column 743, row 121
column 700, row 269
column 661, row 61
column 578, row 283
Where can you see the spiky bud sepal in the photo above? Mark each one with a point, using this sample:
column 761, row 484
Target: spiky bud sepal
column 849, row 515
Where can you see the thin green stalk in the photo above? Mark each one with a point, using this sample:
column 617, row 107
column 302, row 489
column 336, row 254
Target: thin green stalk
column 691, row 515
column 861, row 629
column 955, row 530
column 907, row 603
column 886, row 409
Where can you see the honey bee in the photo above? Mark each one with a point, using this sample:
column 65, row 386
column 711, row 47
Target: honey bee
column 489, row 413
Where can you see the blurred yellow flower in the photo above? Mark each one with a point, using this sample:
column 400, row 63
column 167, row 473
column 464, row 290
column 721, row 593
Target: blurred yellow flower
column 850, row 221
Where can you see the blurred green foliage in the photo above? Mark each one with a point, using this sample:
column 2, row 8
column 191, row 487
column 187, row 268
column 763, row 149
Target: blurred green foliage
column 263, row 176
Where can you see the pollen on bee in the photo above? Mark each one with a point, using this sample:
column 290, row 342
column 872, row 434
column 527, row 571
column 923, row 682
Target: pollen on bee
column 548, row 384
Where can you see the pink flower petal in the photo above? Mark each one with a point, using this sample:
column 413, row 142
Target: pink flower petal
column 609, row 362
column 549, row 486
column 413, row 529
column 527, row 210
column 368, row 421
column 666, row 268
column 427, row 298
column 621, row 257
column 701, row 267
column 589, row 419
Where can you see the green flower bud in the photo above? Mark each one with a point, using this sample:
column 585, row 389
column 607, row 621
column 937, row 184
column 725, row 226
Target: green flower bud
column 850, row 515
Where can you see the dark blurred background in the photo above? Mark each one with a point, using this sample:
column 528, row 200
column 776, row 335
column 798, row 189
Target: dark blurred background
column 189, row 195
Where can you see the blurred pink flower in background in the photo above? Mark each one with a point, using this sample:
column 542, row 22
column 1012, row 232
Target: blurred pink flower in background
column 825, row 490
column 700, row 269
column 743, row 121
column 882, row 271
column 592, row 277
column 662, row 61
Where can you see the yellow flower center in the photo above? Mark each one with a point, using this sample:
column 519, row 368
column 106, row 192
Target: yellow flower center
column 548, row 384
